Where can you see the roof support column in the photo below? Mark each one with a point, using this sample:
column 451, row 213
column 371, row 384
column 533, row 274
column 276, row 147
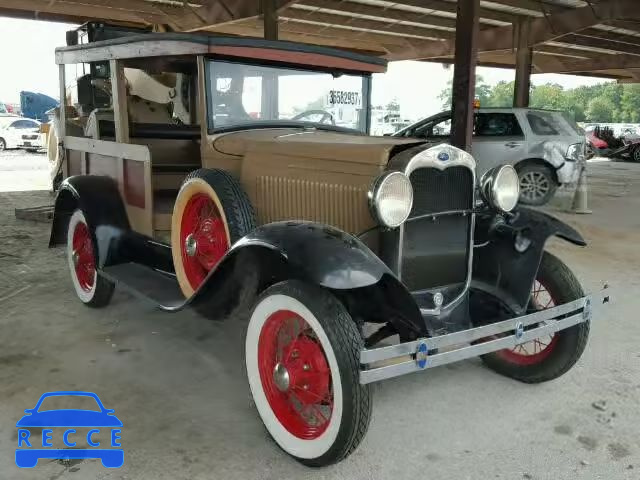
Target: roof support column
column 270, row 19
column 524, row 58
column 464, row 73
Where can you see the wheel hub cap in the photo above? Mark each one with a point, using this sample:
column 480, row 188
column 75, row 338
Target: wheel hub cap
column 281, row 377
column 191, row 245
column 75, row 258
column 534, row 185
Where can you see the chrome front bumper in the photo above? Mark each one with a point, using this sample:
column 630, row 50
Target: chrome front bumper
column 395, row 360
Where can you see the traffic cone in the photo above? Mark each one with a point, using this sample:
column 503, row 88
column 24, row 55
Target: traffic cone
column 580, row 198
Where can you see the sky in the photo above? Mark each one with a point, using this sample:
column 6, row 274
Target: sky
column 28, row 63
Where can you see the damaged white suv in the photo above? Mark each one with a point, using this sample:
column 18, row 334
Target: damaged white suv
column 545, row 146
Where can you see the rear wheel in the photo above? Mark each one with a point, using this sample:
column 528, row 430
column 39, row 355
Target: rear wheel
column 302, row 358
column 211, row 213
column 92, row 289
column 537, row 184
column 636, row 154
column 3, row 144
column 546, row 358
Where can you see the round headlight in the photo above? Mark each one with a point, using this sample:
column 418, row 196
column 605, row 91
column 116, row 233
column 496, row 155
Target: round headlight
column 391, row 199
column 502, row 188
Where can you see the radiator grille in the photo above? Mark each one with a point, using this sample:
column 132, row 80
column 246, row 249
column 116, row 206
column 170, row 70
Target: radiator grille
column 435, row 251
column 342, row 206
column 441, row 190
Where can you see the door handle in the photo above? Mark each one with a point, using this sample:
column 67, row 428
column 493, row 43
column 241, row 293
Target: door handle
column 512, row 144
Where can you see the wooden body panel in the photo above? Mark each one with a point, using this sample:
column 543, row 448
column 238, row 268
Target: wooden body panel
column 130, row 167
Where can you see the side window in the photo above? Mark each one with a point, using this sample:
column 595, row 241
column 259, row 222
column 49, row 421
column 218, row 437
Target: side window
column 497, row 125
column 542, row 124
column 435, row 128
column 442, row 128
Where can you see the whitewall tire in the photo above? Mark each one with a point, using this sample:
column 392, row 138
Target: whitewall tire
column 302, row 358
column 91, row 288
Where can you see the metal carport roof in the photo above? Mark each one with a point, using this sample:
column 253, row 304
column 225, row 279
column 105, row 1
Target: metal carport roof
column 568, row 36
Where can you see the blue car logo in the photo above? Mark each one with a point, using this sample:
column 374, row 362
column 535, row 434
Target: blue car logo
column 443, row 156
column 29, row 451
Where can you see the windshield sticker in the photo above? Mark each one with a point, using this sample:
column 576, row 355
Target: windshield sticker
column 341, row 97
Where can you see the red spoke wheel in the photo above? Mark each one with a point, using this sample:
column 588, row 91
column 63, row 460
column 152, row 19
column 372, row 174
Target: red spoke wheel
column 210, row 214
column 91, row 289
column 302, row 358
column 551, row 356
column 535, row 351
column 295, row 374
column 204, row 236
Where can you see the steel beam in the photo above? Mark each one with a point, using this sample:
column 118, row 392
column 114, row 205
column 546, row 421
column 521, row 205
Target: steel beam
column 607, row 62
column 217, row 12
column 464, row 73
column 377, row 25
column 543, row 29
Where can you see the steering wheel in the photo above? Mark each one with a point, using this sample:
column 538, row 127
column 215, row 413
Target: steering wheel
column 323, row 119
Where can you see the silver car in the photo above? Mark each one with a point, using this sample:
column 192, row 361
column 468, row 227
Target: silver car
column 544, row 146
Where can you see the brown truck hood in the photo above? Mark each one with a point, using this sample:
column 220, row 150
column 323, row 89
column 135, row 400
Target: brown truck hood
column 311, row 144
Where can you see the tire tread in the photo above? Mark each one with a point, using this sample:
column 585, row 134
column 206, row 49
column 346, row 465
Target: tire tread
column 344, row 336
column 574, row 339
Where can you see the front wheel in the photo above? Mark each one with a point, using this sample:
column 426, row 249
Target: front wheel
column 547, row 358
column 3, row 144
column 211, row 213
column 537, row 184
column 635, row 155
column 302, row 357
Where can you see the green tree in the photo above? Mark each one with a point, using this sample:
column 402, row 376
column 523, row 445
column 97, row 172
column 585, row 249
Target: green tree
column 600, row 109
column 630, row 104
column 483, row 91
column 501, row 95
column 604, row 102
column 551, row 96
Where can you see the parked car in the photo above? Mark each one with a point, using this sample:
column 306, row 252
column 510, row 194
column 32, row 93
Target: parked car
column 603, row 142
column 544, row 146
column 17, row 132
column 315, row 229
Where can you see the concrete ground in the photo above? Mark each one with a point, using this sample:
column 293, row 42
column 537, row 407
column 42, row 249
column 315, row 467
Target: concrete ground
column 23, row 171
column 176, row 381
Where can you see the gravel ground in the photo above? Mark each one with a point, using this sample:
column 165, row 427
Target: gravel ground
column 176, row 381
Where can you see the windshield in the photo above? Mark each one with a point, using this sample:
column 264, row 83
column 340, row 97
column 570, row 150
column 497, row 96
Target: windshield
column 244, row 95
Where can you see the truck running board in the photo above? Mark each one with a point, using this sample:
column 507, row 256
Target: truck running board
column 161, row 289
column 400, row 359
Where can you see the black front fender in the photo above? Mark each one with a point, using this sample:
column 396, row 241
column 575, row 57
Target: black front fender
column 546, row 226
column 321, row 255
column 502, row 266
